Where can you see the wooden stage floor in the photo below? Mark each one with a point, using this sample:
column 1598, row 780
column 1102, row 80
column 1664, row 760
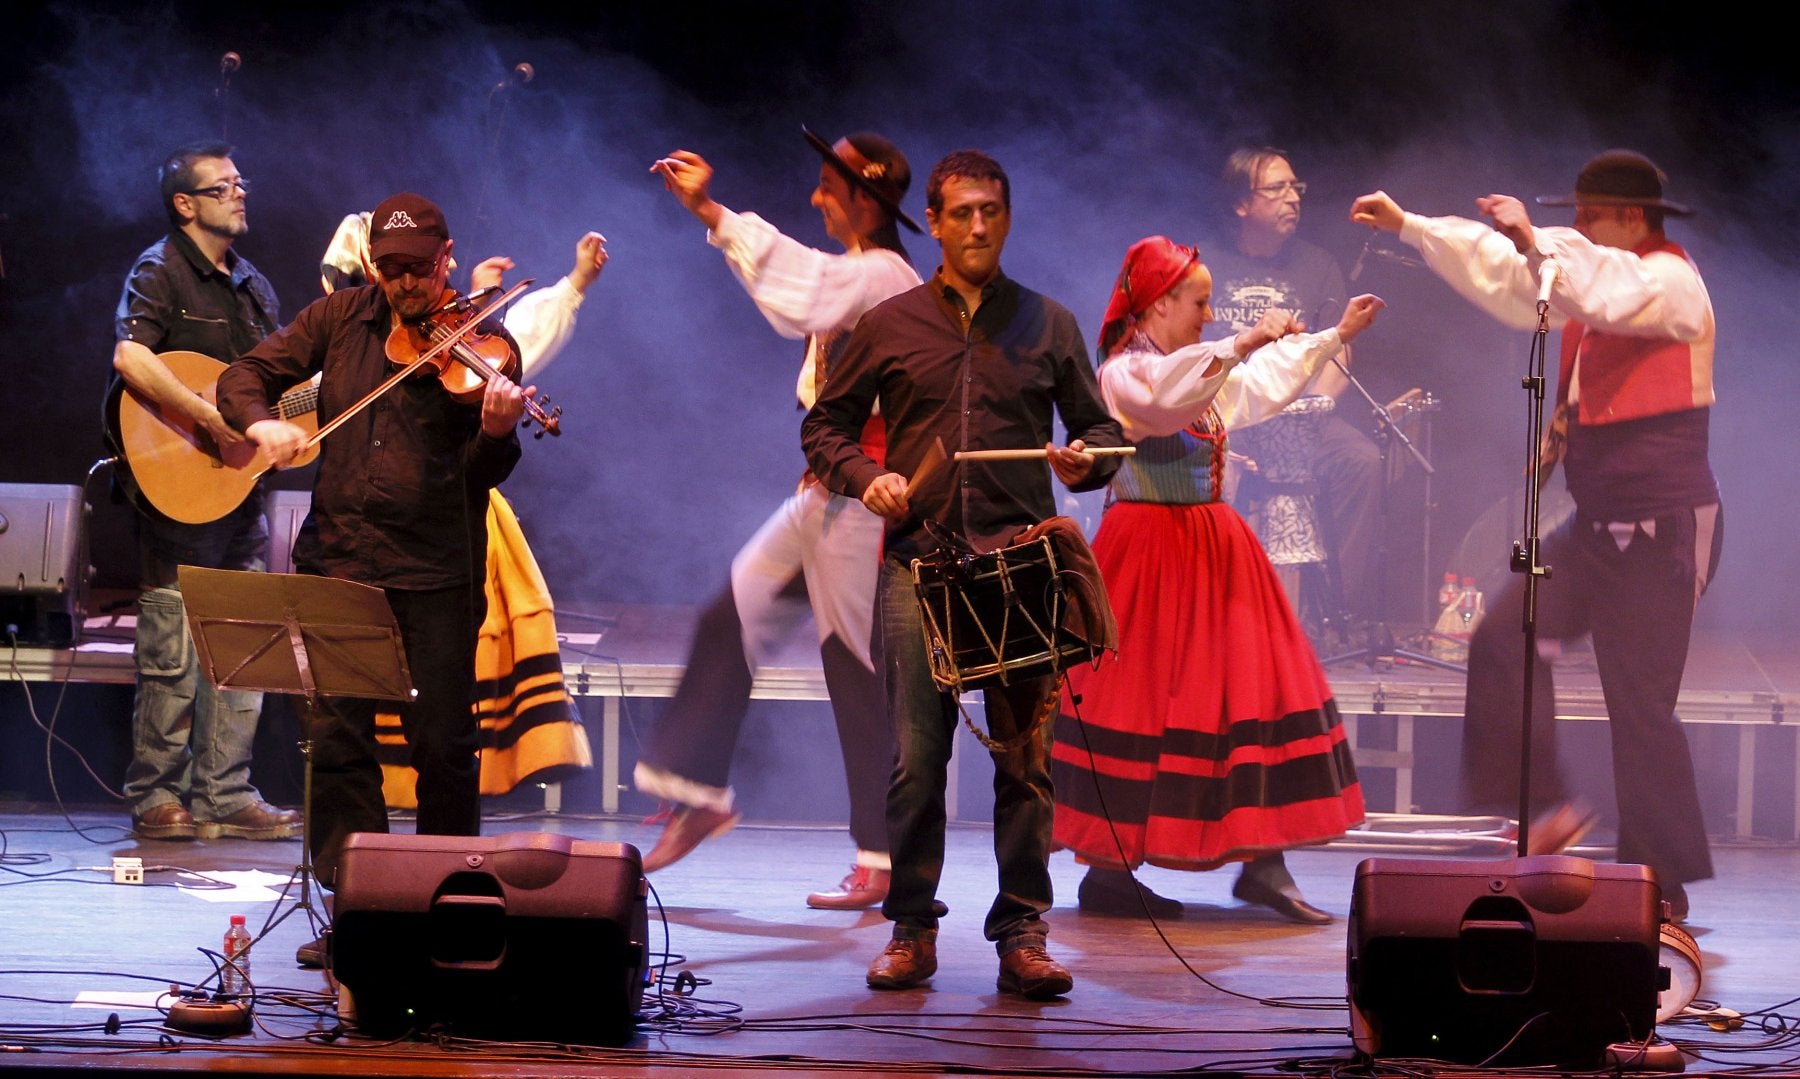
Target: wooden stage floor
column 752, row 982
column 777, row 988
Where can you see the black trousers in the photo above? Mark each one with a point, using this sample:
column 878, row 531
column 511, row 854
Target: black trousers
column 438, row 631
column 1638, row 605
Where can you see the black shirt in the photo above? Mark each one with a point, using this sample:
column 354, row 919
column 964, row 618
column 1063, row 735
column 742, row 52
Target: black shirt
column 996, row 381
column 176, row 300
column 1300, row 278
column 401, row 498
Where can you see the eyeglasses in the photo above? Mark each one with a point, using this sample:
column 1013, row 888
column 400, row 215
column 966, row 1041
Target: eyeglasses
column 1275, row 191
column 394, row 269
column 222, row 190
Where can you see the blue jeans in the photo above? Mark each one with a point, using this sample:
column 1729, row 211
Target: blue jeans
column 190, row 742
column 924, row 719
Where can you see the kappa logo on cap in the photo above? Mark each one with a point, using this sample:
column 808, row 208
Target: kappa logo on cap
column 399, row 219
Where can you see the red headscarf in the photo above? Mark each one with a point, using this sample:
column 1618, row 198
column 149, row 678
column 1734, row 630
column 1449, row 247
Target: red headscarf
column 1153, row 266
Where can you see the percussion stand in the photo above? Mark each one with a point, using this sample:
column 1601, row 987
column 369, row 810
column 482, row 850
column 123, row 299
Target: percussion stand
column 1380, row 644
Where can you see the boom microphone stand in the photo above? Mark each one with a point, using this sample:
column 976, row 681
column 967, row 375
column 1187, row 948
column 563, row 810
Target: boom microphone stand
column 1380, row 644
column 1525, row 552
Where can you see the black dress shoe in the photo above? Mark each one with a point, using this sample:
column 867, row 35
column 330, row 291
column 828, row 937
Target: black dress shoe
column 1292, row 907
column 1115, row 892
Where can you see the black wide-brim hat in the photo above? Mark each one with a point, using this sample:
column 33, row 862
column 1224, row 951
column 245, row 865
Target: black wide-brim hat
column 1618, row 178
column 884, row 174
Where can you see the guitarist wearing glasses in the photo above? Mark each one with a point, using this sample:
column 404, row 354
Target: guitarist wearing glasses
column 190, row 293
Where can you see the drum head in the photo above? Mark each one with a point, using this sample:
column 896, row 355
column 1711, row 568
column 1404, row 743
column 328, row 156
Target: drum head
column 1486, row 550
column 1681, row 954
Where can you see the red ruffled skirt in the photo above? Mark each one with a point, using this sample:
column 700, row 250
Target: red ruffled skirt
column 1212, row 736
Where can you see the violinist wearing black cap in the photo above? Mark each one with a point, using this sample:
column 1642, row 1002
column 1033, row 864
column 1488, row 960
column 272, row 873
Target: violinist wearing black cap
column 1635, row 394
column 820, row 551
column 400, row 504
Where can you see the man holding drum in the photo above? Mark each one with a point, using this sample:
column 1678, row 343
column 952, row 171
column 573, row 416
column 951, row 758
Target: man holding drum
column 972, row 361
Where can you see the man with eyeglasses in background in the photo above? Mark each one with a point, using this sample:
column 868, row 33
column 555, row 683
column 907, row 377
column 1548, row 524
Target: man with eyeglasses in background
column 1267, row 266
column 189, row 291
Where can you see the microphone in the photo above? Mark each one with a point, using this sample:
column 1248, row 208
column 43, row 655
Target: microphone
column 229, row 63
column 1387, row 254
column 1546, row 278
column 520, row 75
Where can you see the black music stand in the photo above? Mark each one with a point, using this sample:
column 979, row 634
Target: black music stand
column 297, row 634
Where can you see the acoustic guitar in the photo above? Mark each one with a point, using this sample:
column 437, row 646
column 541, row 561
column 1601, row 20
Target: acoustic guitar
column 178, row 467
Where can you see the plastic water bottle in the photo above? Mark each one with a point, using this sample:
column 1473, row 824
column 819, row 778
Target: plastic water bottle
column 1470, row 605
column 234, row 978
column 1448, row 593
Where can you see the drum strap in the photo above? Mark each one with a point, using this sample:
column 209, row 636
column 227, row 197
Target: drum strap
column 1088, row 614
column 1039, row 715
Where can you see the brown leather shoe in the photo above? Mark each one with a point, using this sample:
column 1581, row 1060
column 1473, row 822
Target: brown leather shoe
column 1030, row 972
column 258, row 820
column 171, row 820
column 686, row 828
column 1559, row 829
column 905, row 962
column 862, row 889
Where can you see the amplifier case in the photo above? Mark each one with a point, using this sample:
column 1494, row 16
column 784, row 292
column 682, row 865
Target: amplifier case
column 40, row 552
column 528, row 936
column 1532, row 961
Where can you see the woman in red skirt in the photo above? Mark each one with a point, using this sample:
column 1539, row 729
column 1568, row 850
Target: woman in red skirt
column 1212, row 737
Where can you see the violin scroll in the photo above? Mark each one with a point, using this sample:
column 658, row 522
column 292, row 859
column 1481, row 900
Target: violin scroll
column 548, row 419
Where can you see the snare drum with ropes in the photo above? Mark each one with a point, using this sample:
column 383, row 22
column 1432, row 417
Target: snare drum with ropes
column 997, row 618
column 1019, row 613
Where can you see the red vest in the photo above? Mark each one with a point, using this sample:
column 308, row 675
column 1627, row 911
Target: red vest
column 1629, row 378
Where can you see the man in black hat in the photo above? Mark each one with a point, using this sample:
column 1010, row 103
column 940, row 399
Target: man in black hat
column 1634, row 398
column 820, row 551
column 400, row 504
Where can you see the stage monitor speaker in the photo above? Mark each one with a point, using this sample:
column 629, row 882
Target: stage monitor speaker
column 1540, row 961
column 40, row 551
column 521, row 937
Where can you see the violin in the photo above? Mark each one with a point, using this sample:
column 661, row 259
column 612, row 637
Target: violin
column 450, row 342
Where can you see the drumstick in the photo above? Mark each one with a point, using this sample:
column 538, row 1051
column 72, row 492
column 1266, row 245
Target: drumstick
column 1025, row 455
column 934, row 458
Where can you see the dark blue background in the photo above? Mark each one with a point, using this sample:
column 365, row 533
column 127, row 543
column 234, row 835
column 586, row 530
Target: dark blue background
column 1112, row 119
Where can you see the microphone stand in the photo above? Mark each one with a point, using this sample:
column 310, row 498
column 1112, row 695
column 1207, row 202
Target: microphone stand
column 228, row 64
column 1381, row 640
column 1525, row 552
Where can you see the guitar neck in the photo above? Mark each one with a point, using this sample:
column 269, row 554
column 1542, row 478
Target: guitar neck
column 298, row 401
